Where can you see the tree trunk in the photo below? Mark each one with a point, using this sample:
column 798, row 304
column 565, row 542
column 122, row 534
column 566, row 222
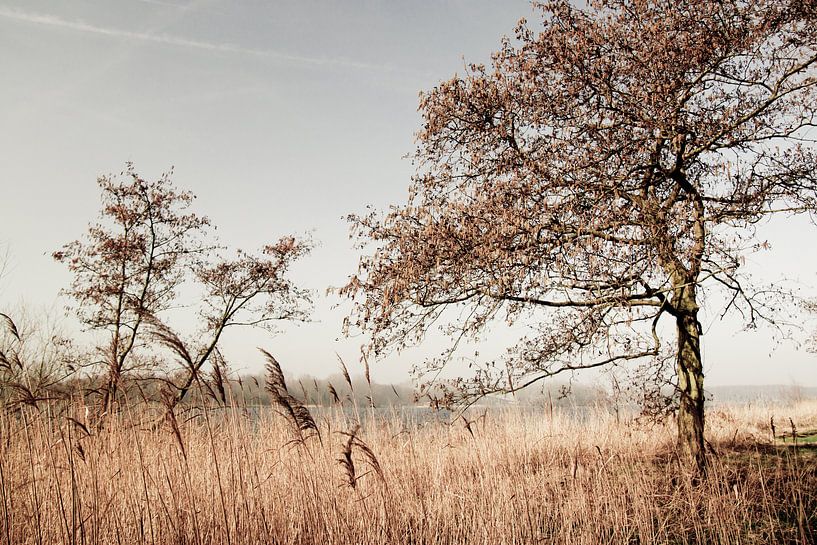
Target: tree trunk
column 690, row 380
column 109, row 396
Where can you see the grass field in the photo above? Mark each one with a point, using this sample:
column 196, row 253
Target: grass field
column 213, row 477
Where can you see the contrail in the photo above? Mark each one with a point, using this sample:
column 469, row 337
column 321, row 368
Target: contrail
column 160, row 3
column 80, row 26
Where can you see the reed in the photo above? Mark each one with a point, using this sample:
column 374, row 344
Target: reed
column 209, row 475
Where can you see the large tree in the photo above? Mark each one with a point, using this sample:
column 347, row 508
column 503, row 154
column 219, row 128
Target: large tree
column 596, row 180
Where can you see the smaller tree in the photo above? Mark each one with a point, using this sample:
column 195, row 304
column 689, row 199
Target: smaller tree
column 131, row 263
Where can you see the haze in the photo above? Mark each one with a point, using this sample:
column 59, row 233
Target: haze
column 282, row 117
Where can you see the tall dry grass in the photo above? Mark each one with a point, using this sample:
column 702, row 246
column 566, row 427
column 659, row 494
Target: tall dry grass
column 234, row 476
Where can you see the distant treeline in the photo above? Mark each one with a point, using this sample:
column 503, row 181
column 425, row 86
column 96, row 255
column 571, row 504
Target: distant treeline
column 769, row 392
column 356, row 391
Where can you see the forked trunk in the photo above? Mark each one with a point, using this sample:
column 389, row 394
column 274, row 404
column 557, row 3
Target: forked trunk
column 109, row 395
column 690, row 381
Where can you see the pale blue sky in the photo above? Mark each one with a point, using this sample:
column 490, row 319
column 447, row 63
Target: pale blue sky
column 282, row 117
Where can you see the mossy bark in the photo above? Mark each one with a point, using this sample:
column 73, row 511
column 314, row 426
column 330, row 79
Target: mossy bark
column 690, row 379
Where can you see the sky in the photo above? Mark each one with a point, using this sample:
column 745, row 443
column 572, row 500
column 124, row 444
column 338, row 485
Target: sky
column 282, row 117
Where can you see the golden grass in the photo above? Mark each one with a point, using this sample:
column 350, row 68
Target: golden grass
column 229, row 477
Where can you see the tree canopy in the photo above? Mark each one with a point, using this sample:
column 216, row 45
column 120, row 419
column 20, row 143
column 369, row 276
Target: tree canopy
column 602, row 175
column 128, row 270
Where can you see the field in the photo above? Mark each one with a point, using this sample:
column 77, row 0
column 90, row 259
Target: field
column 239, row 476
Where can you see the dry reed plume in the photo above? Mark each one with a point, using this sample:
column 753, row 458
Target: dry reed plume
column 196, row 476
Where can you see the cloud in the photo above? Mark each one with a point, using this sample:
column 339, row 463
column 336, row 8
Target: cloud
column 175, row 41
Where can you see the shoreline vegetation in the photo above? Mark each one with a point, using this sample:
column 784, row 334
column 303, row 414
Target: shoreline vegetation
column 341, row 460
column 206, row 474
